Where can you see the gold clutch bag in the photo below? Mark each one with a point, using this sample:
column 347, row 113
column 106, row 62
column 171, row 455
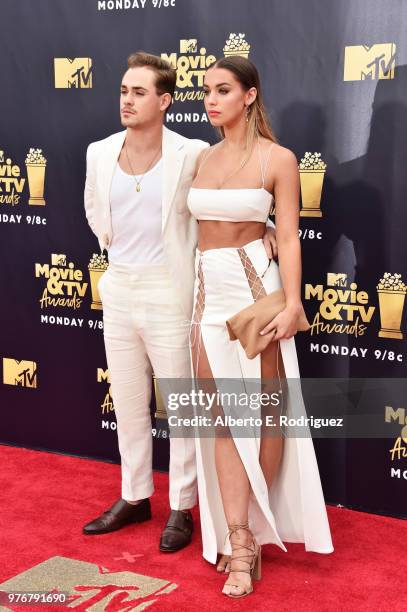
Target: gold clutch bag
column 247, row 324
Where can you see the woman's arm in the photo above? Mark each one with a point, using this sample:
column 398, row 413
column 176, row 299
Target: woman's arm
column 286, row 193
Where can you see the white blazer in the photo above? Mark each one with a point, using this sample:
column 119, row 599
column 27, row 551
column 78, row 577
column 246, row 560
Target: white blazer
column 179, row 228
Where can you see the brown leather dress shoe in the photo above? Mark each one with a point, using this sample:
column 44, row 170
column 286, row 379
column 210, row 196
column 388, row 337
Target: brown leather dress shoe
column 120, row 514
column 178, row 531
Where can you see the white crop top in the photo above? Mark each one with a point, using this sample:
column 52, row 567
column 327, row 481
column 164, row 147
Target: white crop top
column 247, row 204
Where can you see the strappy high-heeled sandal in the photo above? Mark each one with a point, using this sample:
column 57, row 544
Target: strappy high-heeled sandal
column 252, row 558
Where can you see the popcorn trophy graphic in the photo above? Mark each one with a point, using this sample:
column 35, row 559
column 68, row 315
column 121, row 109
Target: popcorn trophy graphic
column 312, row 172
column 236, row 45
column 392, row 292
column 36, row 162
column 160, row 411
column 97, row 267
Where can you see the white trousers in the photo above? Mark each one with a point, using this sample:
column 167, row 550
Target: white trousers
column 146, row 330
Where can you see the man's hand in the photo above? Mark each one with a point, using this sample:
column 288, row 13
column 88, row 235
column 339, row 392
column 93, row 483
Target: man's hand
column 270, row 242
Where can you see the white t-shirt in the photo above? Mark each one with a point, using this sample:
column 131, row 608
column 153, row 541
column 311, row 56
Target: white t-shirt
column 137, row 218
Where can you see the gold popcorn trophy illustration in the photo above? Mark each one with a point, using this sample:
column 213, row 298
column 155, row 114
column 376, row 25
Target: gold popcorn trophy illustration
column 160, row 411
column 312, row 172
column 236, row 45
column 97, row 267
column 36, row 162
column 392, row 292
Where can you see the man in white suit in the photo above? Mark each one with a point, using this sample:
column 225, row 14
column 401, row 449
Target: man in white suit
column 135, row 200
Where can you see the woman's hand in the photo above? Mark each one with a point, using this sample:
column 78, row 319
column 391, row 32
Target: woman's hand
column 284, row 324
column 270, row 242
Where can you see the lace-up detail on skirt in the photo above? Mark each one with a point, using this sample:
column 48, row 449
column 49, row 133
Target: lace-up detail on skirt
column 195, row 336
column 255, row 284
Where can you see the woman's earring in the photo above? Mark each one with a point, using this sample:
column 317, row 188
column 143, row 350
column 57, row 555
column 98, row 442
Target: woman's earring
column 247, row 113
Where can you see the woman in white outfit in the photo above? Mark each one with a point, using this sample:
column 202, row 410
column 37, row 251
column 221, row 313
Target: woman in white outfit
column 255, row 489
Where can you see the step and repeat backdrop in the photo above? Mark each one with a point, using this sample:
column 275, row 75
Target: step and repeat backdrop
column 335, row 81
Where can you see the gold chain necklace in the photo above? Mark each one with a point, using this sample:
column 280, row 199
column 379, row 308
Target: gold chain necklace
column 138, row 182
column 242, row 164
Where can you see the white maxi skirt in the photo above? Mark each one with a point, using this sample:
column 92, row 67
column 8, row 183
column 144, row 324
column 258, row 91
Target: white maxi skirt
column 293, row 510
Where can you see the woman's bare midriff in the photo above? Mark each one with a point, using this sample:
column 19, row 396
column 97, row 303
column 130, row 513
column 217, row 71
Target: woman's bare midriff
column 226, row 234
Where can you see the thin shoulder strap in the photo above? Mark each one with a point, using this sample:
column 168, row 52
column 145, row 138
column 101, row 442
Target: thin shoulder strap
column 207, row 153
column 264, row 166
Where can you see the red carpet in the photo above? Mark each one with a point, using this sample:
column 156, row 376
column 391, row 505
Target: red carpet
column 47, row 498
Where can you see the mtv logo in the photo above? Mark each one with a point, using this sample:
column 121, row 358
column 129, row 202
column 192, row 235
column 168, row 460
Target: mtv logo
column 336, row 280
column 189, row 45
column 58, row 260
column 19, row 373
column 73, row 73
column 89, row 586
column 363, row 62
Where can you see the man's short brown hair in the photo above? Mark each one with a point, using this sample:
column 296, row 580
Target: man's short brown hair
column 166, row 75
